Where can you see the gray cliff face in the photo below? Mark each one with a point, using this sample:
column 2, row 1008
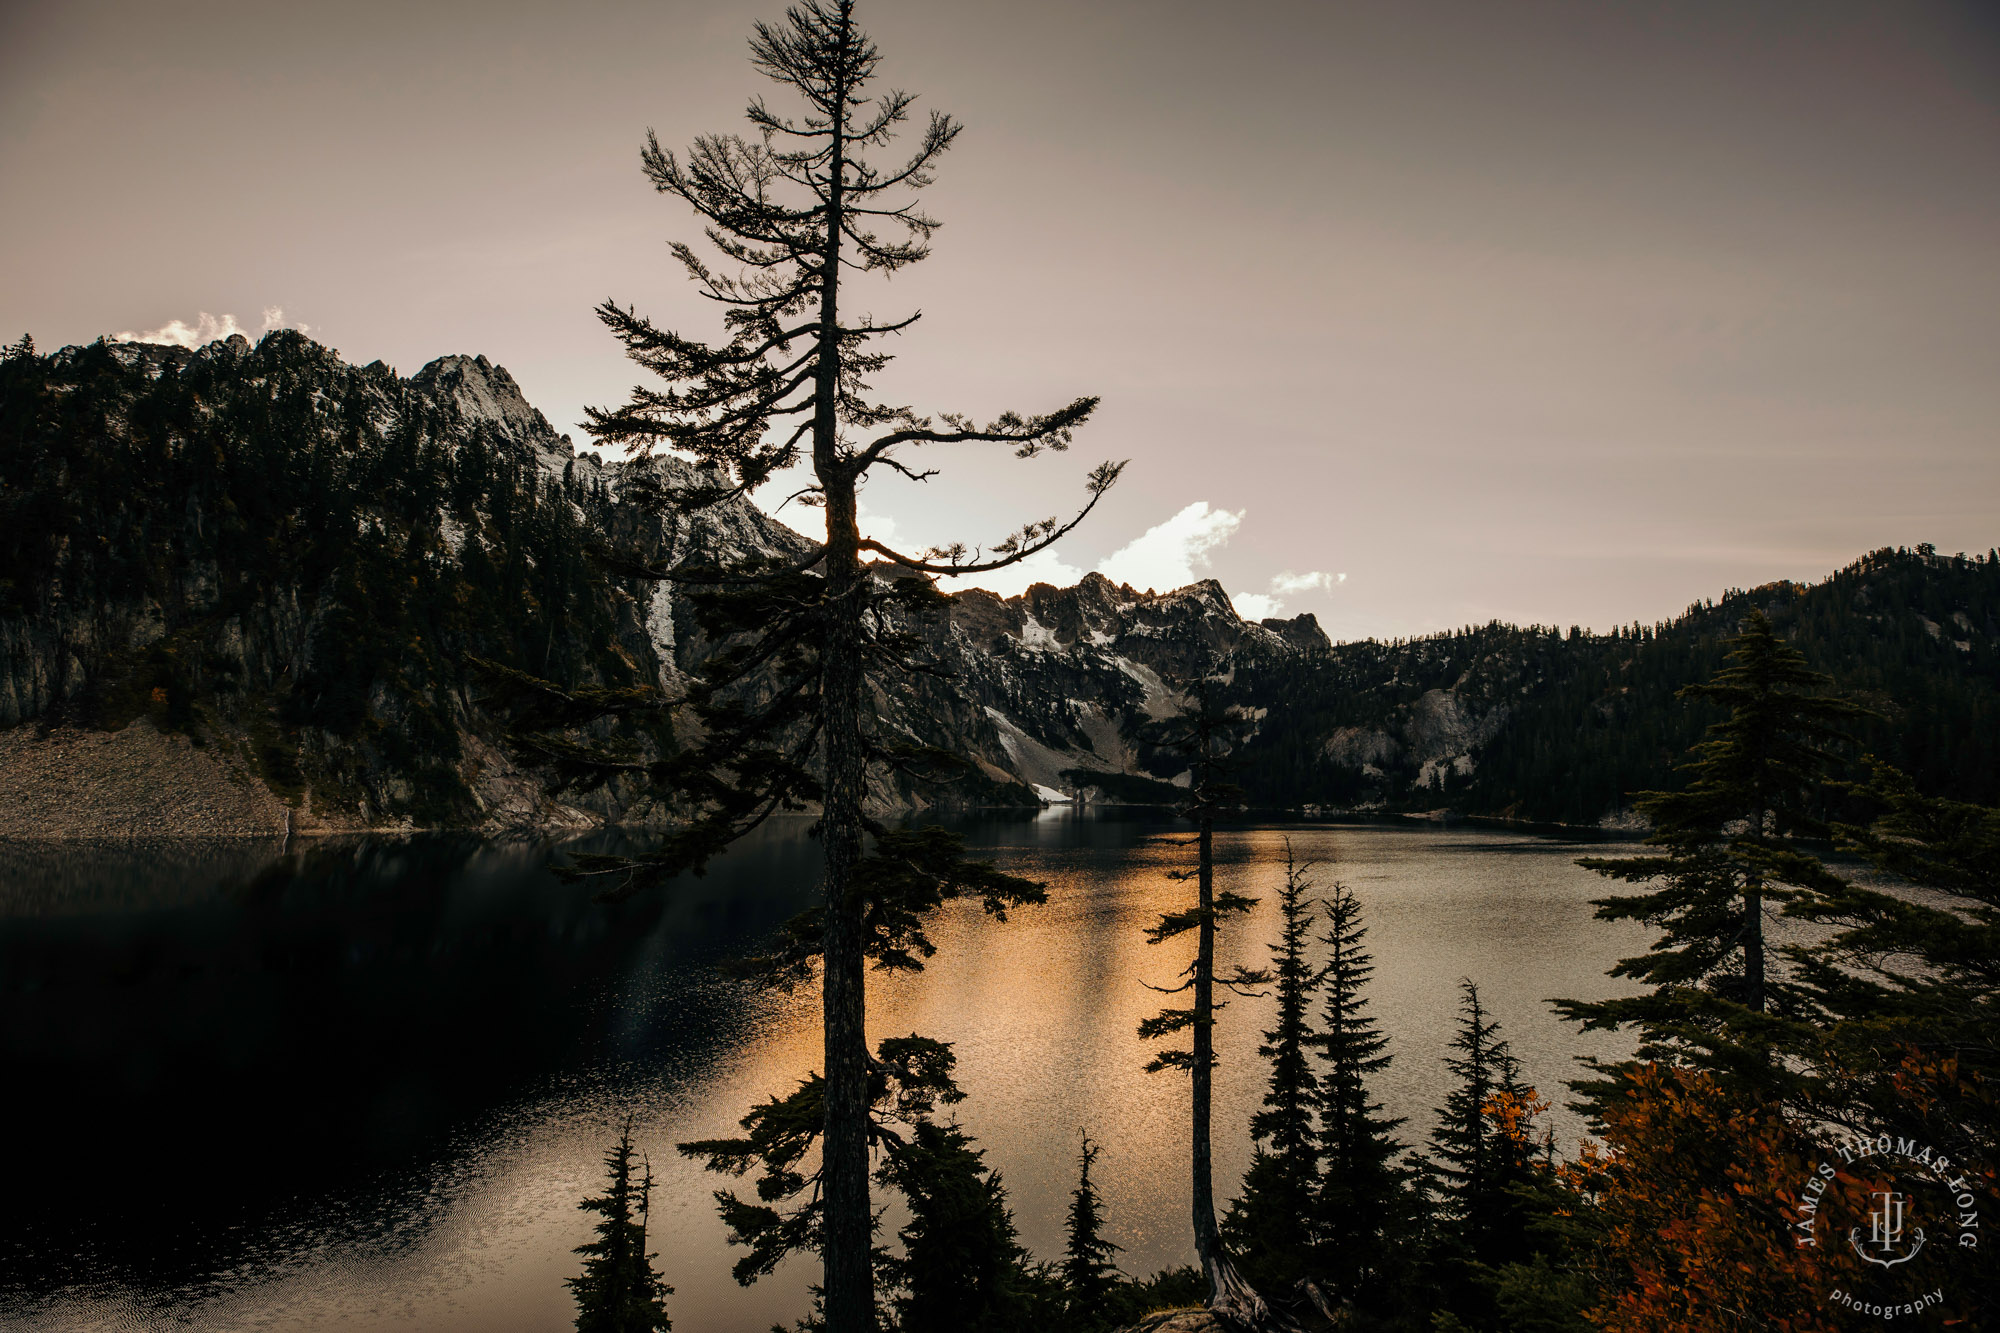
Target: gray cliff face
column 190, row 624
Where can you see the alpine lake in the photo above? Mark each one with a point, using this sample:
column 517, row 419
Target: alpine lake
column 363, row 1084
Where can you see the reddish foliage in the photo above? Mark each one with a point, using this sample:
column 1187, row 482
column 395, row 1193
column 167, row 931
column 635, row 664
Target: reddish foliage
column 1696, row 1192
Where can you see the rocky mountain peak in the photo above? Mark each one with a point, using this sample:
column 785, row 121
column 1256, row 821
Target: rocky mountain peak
column 1301, row 632
column 484, row 394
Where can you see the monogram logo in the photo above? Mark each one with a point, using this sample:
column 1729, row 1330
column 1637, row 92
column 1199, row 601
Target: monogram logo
column 1885, row 1231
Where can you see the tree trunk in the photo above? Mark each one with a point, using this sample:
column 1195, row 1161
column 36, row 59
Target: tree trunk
column 1753, row 922
column 1207, row 1243
column 1228, row 1294
column 848, row 1278
column 1753, row 942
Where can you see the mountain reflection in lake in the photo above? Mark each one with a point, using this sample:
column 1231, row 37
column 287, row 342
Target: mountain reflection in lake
column 364, row 1085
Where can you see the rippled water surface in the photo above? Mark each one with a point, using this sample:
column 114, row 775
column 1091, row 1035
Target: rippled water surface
column 363, row 1085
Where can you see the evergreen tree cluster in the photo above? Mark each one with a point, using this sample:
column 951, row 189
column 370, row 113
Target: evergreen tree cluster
column 1336, row 1220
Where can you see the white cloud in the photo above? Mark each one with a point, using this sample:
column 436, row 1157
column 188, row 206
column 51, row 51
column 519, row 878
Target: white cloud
column 1289, row 582
column 1262, row 605
column 206, row 329
column 1163, row 557
column 1166, row 556
column 1256, row 605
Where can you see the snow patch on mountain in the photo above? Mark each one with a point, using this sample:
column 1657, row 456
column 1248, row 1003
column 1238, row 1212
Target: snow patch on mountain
column 660, row 629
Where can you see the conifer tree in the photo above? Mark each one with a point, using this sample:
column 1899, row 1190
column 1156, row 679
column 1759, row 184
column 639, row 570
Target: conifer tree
column 961, row 1266
column 1910, row 978
column 1361, row 1204
column 619, row 1291
column 1730, row 853
column 1088, row 1271
column 1202, row 733
column 1482, row 1142
column 909, row 1079
column 798, row 211
column 1269, row 1224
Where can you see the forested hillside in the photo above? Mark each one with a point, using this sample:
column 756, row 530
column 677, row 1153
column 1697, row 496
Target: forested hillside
column 1543, row 724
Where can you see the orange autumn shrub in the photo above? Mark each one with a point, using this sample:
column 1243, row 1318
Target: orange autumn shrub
column 1696, row 1191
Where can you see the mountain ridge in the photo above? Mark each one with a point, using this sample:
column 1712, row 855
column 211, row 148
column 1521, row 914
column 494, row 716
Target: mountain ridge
column 290, row 560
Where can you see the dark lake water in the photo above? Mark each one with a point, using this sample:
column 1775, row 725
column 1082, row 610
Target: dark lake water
column 363, row 1085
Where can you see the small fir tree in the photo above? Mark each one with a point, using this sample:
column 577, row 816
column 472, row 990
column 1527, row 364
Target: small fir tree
column 1089, row 1274
column 962, row 1268
column 1362, row 1206
column 1484, row 1146
column 1268, row 1225
column 619, row 1291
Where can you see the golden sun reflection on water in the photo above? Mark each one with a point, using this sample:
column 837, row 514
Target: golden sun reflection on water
column 1042, row 1012
column 1043, row 1009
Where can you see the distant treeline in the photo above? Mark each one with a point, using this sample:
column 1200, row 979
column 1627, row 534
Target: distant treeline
column 1591, row 718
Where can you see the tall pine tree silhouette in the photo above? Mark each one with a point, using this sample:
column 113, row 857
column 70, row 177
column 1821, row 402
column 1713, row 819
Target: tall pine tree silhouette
column 618, row 1290
column 1202, row 733
column 795, row 213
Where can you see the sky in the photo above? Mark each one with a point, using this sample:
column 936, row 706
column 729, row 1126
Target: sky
column 1407, row 315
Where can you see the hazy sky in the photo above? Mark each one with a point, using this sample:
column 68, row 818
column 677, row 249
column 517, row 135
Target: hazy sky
column 1547, row 312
